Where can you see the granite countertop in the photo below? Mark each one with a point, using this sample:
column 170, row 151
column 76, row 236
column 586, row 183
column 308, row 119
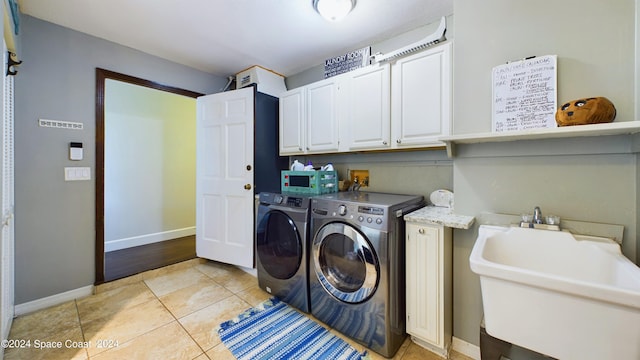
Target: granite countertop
column 435, row 215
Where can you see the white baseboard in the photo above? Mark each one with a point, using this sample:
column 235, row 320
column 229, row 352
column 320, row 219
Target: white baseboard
column 113, row 245
column 52, row 300
column 465, row 348
column 6, row 329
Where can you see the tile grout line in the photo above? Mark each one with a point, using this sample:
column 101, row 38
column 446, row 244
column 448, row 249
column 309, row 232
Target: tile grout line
column 176, row 320
column 165, row 324
column 84, row 339
column 146, row 332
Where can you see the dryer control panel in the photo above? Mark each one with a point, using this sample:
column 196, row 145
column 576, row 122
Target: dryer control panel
column 294, row 201
column 284, row 200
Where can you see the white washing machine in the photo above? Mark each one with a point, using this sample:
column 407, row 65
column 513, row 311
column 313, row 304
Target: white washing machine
column 282, row 247
column 357, row 265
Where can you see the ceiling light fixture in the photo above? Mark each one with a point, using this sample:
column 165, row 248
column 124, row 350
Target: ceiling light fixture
column 334, row 10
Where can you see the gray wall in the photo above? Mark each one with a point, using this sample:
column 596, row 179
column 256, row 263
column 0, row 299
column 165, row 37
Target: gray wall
column 55, row 224
column 592, row 179
column 581, row 179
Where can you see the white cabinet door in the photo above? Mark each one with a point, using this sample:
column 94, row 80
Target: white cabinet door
column 322, row 116
column 421, row 103
column 369, row 116
column 429, row 286
column 224, row 177
column 293, row 119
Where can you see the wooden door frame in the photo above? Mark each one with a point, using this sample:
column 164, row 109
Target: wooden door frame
column 101, row 76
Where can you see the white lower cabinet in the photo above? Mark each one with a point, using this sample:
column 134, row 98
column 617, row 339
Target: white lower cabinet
column 429, row 286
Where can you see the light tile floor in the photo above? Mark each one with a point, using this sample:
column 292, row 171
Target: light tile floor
column 169, row 313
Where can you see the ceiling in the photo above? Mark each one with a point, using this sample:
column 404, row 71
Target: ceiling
column 223, row 37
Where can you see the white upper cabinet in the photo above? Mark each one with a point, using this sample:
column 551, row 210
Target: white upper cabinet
column 368, row 118
column 322, row 116
column 292, row 123
column 421, row 98
column 400, row 105
column 309, row 119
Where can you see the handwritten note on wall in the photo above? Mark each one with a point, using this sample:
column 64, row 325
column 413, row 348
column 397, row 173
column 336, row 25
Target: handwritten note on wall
column 525, row 94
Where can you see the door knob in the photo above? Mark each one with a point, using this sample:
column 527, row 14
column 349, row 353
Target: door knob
column 248, row 167
column 247, row 187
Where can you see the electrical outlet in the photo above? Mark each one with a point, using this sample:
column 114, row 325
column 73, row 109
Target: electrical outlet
column 360, row 176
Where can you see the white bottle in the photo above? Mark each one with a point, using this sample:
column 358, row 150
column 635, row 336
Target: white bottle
column 309, row 166
column 297, row 166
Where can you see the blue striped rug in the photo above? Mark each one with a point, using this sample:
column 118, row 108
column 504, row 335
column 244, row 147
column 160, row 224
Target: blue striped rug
column 274, row 330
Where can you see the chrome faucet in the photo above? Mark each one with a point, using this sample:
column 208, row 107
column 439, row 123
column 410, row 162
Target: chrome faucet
column 538, row 223
column 537, row 215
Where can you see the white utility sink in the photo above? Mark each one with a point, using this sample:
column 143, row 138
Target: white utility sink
column 566, row 296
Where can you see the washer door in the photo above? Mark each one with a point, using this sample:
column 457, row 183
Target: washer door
column 278, row 245
column 345, row 262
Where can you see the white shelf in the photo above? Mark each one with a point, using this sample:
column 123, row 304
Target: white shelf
column 614, row 128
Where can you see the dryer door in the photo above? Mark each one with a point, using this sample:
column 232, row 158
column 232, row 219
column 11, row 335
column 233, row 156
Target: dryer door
column 279, row 245
column 345, row 262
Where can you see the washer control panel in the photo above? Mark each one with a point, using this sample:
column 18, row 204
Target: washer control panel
column 370, row 216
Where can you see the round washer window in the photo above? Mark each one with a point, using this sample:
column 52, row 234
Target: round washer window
column 278, row 245
column 345, row 262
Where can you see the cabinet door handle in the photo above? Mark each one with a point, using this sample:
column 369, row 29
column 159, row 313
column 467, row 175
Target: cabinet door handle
column 247, row 187
column 421, row 231
column 300, row 148
column 398, row 141
column 384, row 143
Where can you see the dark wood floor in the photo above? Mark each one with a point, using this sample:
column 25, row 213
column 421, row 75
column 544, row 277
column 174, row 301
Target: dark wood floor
column 131, row 261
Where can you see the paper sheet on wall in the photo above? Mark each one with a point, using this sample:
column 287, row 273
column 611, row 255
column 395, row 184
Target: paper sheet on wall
column 525, row 94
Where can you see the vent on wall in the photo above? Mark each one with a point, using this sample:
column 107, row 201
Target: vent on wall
column 60, row 124
column 430, row 40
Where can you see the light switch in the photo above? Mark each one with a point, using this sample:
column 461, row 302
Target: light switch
column 77, row 173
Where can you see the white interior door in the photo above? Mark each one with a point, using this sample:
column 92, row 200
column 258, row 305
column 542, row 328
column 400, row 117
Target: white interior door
column 224, row 177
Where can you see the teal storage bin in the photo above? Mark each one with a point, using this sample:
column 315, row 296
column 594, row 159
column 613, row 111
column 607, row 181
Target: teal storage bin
column 309, row 182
